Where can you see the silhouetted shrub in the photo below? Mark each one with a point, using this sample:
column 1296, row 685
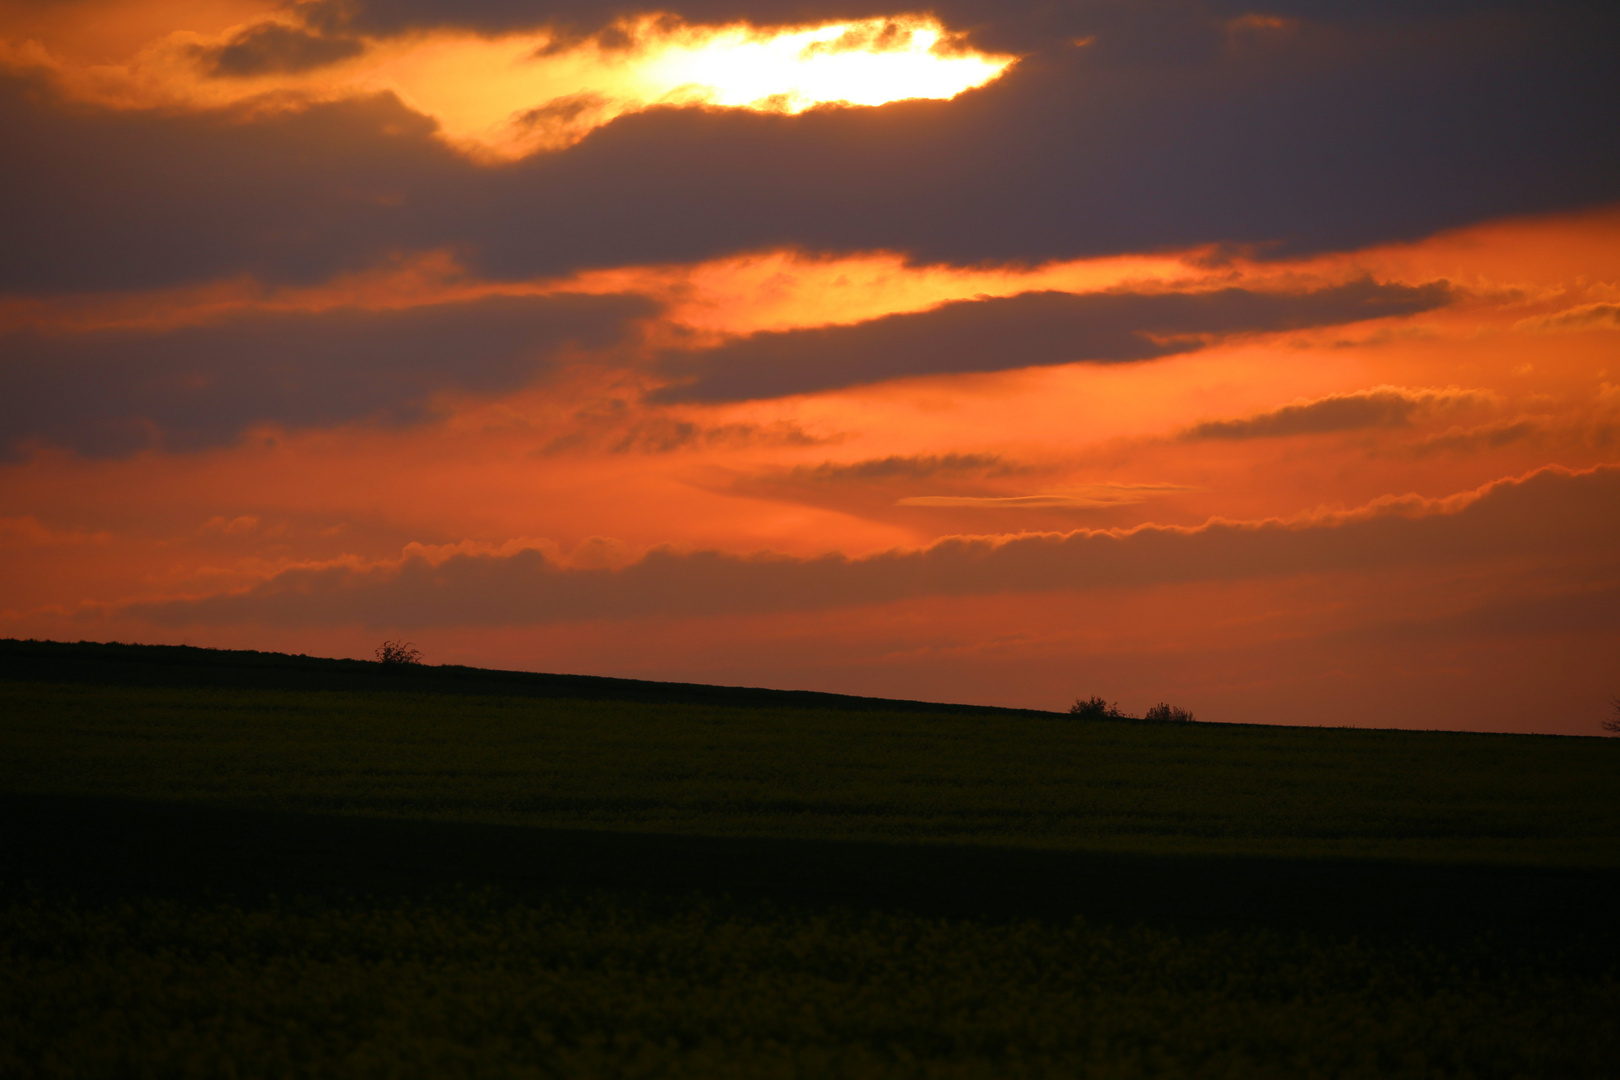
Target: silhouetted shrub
column 398, row 653
column 1095, row 708
column 1613, row 723
column 1166, row 712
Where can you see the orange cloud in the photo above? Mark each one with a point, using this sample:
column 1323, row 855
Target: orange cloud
column 505, row 96
column 101, row 32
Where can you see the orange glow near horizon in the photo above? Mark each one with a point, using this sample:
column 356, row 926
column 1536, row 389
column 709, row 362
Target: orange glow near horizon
column 579, row 466
column 600, row 339
column 508, row 96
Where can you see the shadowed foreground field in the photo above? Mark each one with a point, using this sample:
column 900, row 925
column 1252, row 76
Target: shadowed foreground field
column 208, row 879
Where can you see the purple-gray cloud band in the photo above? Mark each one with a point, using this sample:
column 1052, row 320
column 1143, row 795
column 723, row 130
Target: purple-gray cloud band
column 1169, row 130
column 1553, row 515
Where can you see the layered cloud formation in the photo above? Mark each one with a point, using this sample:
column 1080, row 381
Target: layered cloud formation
column 1549, row 516
column 1260, row 359
column 1174, row 125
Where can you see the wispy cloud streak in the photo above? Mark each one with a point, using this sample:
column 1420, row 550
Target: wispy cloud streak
column 1380, row 407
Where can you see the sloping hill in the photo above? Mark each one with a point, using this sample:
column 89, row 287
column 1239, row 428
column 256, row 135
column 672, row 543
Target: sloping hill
column 116, row 663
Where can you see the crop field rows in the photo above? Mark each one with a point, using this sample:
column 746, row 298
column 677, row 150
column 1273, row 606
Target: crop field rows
column 212, row 880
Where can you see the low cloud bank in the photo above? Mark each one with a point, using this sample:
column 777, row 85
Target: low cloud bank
column 1553, row 515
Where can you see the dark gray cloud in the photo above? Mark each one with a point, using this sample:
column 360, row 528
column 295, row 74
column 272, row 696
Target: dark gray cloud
column 664, row 435
column 873, row 486
column 1553, row 515
column 1138, row 29
column 1382, row 407
column 903, row 467
column 614, row 425
column 1169, row 130
column 1027, row 330
column 269, row 48
column 578, row 19
column 118, row 391
column 111, row 200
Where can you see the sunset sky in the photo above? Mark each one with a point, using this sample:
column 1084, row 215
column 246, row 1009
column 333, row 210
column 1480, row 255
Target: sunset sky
column 1264, row 359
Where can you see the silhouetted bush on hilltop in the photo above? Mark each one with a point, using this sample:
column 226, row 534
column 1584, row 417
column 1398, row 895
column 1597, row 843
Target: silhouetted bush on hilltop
column 398, row 653
column 1095, row 708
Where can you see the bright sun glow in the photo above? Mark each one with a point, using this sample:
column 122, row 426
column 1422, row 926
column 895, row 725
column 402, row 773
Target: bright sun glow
column 510, row 96
column 506, row 97
column 866, row 63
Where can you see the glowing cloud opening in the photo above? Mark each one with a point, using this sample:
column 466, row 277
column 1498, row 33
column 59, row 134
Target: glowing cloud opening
column 506, row 97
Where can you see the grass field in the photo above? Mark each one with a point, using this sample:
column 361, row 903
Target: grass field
column 914, row 777
column 464, row 987
column 235, row 880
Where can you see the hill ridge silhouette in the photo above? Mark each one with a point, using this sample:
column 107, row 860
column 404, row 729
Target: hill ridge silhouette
column 129, row 664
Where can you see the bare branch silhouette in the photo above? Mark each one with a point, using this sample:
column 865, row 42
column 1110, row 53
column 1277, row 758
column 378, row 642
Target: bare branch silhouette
column 398, row 653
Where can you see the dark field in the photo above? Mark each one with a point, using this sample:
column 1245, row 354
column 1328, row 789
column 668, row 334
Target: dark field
column 460, row 876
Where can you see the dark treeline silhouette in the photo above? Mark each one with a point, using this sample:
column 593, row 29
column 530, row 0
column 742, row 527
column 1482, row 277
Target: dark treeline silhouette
column 1096, row 708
